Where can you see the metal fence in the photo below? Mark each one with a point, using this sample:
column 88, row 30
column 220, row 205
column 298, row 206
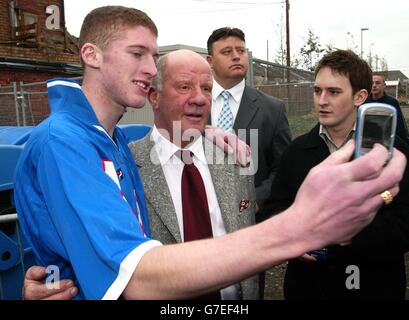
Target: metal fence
column 271, row 78
column 16, row 257
column 23, row 104
column 298, row 97
column 26, row 104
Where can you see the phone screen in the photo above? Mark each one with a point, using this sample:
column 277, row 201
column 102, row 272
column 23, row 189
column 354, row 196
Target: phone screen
column 376, row 129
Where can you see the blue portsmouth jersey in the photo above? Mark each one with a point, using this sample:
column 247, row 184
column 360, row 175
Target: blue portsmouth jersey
column 80, row 199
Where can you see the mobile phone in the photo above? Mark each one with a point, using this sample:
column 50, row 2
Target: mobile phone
column 376, row 123
column 322, row 255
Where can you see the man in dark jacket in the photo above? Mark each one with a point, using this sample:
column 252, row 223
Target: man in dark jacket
column 378, row 94
column 250, row 108
column 246, row 110
column 372, row 265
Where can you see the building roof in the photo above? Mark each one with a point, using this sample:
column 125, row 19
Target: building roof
column 392, row 83
column 391, row 75
column 8, row 63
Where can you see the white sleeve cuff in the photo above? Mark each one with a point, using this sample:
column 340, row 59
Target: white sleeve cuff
column 127, row 268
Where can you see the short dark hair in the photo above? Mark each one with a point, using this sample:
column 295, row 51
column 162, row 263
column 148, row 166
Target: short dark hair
column 223, row 33
column 104, row 24
column 380, row 74
column 348, row 63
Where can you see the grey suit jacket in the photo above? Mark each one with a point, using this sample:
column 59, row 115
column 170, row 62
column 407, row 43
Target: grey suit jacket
column 267, row 114
column 230, row 189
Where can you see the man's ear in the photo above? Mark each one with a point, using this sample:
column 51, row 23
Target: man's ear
column 153, row 98
column 360, row 97
column 209, row 59
column 91, row 55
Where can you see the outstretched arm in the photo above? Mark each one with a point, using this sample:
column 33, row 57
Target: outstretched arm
column 337, row 199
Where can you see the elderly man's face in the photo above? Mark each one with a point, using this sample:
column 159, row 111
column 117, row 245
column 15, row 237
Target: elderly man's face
column 186, row 94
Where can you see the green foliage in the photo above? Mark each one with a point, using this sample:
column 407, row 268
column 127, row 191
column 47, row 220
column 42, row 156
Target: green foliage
column 403, row 101
column 302, row 124
column 311, row 52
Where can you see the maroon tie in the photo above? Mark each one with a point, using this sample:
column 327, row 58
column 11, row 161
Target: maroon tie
column 196, row 216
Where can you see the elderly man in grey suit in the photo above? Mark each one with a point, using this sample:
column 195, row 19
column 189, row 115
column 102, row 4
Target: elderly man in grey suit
column 241, row 108
column 181, row 100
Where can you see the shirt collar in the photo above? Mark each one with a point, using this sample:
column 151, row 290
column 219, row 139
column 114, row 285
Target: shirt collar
column 66, row 95
column 166, row 149
column 329, row 142
column 236, row 92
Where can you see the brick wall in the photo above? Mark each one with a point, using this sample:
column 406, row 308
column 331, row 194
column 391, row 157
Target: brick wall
column 5, row 33
column 42, row 54
column 35, row 97
column 7, row 109
column 38, row 101
column 8, row 76
column 39, row 54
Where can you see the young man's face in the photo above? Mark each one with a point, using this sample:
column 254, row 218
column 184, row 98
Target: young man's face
column 333, row 99
column 186, row 95
column 128, row 66
column 229, row 59
column 378, row 85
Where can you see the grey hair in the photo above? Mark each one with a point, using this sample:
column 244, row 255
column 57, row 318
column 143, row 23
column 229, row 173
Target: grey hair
column 157, row 81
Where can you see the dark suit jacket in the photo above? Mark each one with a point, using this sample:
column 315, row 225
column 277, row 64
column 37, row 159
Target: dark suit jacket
column 266, row 114
column 401, row 129
column 231, row 187
column 377, row 250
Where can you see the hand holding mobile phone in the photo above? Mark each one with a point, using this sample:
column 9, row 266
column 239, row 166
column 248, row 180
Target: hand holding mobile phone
column 376, row 123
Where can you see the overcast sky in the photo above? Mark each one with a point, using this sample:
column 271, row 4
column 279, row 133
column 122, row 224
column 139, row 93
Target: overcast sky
column 336, row 22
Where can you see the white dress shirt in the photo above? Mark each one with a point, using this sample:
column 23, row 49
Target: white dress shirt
column 236, row 93
column 172, row 168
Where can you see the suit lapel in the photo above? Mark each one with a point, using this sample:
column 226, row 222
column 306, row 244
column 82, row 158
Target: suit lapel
column 224, row 186
column 156, row 188
column 247, row 109
column 158, row 195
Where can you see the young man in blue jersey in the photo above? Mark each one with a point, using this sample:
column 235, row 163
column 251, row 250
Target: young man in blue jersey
column 82, row 207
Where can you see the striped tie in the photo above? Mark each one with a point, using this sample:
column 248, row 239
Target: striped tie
column 225, row 120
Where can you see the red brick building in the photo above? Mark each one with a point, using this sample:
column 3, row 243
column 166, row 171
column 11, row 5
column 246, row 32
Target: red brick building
column 34, row 46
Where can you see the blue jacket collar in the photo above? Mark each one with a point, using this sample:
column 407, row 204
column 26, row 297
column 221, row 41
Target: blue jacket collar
column 66, row 95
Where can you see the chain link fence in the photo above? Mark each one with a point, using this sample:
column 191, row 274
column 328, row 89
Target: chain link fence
column 24, row 104
column 298, row 97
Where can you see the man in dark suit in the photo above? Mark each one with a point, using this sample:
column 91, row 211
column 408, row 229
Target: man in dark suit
column 371, row 266
column 378, row 94
column 251, row 110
